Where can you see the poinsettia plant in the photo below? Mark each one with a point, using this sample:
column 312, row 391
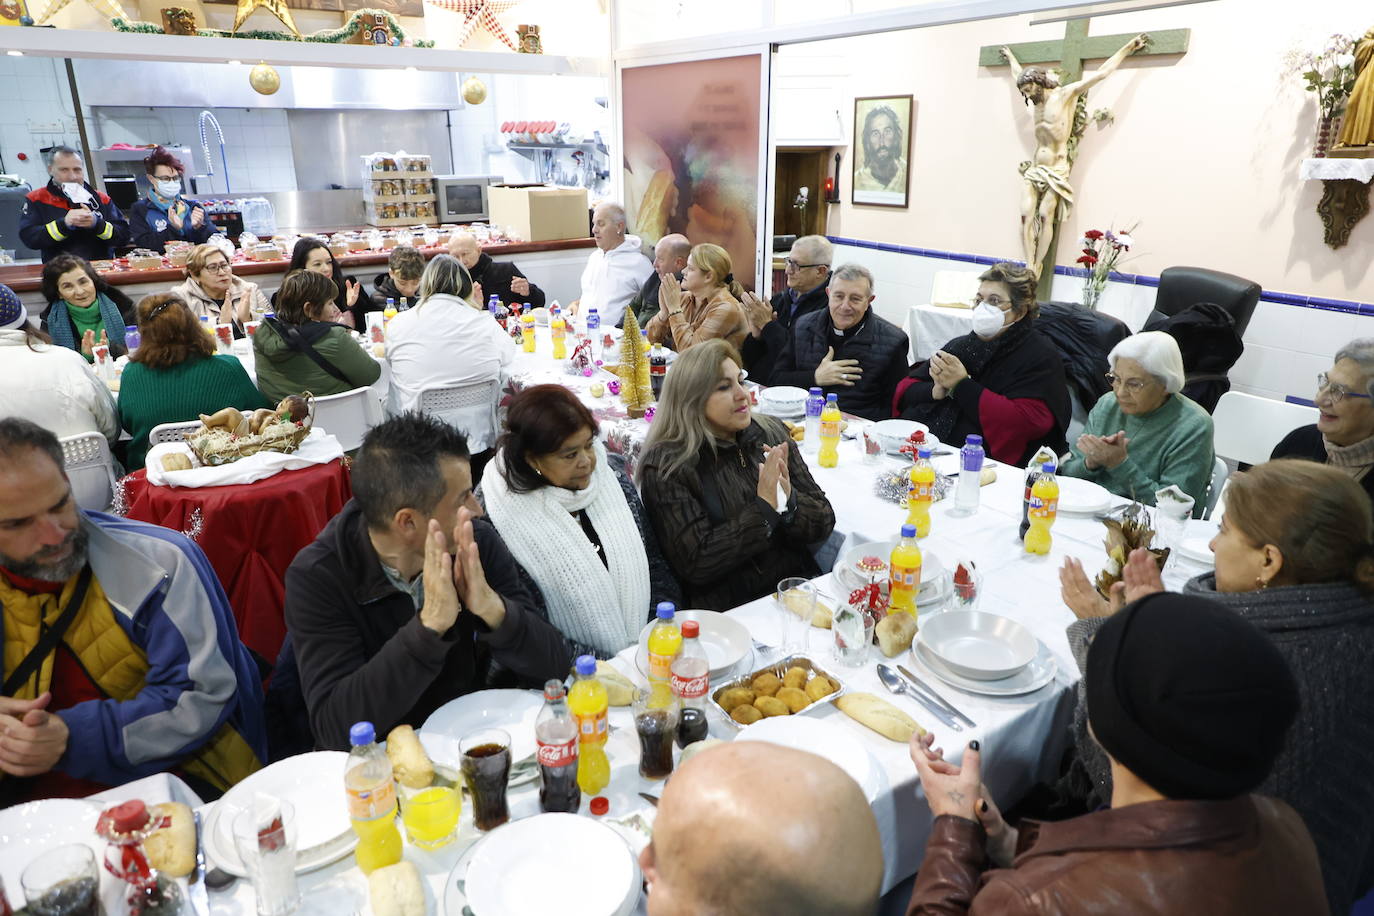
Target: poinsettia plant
column 1101, row 252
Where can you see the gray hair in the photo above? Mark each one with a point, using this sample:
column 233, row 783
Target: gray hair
column 63, row 150
column 676, row 244
column 817, row 247
column 1157, row 353
column 853, row 272
column 1361, row 350
column 614, row 210
column 444, row 275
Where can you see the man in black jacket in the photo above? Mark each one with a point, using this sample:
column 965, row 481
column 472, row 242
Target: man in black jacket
column 68, row 216
column 670, row 257
column 501, row 278
column 406, row 598
column 807, row 268
column 847, row 349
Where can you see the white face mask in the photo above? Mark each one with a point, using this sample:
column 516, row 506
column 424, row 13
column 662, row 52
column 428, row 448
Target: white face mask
column 987, row 320
column 76, row 192
column 168, row 188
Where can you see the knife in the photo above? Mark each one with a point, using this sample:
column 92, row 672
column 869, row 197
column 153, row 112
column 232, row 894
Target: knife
column 896, row 685
column 195, row 887
column 651, row 799
column 949, row 707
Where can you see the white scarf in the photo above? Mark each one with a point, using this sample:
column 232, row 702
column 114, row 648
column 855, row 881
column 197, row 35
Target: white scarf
column 549, row 543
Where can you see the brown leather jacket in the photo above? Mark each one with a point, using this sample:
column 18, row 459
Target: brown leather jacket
column 1247, row 856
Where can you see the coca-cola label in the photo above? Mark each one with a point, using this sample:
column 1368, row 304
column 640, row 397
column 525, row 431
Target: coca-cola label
column 689, row 688
column 558, row 755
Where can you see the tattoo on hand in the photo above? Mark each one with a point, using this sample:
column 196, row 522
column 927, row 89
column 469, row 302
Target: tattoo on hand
column 955, row 796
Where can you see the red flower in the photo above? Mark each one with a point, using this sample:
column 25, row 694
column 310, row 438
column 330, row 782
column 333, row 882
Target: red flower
column 1087, row 259
column 1092, row 234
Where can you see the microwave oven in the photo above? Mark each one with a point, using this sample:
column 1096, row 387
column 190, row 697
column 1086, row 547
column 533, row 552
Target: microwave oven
column 463, row 198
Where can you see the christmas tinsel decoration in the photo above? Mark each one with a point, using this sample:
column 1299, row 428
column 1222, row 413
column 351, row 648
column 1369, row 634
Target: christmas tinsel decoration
column 325, row 36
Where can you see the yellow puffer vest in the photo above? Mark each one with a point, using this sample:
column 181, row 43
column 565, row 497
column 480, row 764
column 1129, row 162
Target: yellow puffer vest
column 115, row 664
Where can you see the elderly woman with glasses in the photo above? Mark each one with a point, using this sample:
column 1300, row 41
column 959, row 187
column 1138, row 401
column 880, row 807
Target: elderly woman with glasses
column 1343, row 435
column 1144, row 435
column 212, row 290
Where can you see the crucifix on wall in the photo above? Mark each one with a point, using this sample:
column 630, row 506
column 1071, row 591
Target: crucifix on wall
column 1060, row 118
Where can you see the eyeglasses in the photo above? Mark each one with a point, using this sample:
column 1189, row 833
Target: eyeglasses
column 217, row 267
column 996, row 302
column 1334, row 390
column 1133, row 385
column 791, row 265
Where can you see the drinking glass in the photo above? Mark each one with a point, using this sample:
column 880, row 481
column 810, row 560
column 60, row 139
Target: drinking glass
column 268, row 853
column 852, row 631
column 62, row 882
column 796, row 601
column 656, row 718
column 486, row 768
column 430, row 814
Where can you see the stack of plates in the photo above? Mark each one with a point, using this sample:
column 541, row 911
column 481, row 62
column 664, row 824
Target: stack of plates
column 725, row 640
column 983, row 653
column 935, row 582
column 783, row 401
column 1083, row 497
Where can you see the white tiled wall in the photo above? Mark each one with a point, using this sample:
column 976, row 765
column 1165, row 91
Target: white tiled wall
column 1285, row 345
column 34, row 94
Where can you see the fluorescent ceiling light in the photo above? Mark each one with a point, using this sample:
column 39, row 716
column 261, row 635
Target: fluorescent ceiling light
column 1108, row 9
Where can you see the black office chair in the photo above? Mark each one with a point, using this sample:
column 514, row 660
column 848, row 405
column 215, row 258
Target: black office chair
column 1083, row 338
column 1181, row 287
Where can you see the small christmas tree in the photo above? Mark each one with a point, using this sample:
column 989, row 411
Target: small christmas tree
column 635, row 391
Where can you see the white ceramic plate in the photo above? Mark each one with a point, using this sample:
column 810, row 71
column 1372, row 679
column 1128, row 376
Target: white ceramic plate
column 1082, row 497
column 513, row 711
column 314, row 784
column 552, row 863
column 1037, row 674
column 1198, row 550
column 784, row 396
column 934, row 579
column 30, row 829
column 826, row 739
column 725, row 640
column 980, row 646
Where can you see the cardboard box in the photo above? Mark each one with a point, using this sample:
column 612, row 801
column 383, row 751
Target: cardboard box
column 536, row 213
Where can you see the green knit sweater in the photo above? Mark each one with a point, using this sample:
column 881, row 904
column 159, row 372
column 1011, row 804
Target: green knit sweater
column 201, row 384
column 1170, row 445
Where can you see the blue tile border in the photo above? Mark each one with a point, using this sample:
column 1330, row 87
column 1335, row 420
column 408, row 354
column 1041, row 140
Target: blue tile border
column 1345, row 306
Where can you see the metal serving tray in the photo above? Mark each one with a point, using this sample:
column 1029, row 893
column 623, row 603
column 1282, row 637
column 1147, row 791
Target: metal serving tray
column 778, row 668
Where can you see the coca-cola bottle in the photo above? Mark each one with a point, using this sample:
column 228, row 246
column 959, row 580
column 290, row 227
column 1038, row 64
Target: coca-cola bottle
column 555, row 731
column 691, row 681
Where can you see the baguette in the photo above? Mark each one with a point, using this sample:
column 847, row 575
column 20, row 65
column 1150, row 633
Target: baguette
column 395, row 890
column 879, row 715
column 619, row 689
column 409, row 762
column 172, row 849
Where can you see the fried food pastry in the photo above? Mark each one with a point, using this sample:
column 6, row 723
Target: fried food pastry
column 794, row 677
column 736, row 696
column 766, row 684
column 746, row 714
column 795, row 698
column 820, row 687
column 772, row 706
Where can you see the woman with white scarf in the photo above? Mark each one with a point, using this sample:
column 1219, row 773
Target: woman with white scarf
column 574, row 523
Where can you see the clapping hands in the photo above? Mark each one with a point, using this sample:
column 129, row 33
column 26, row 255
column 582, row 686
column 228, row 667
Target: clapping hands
column 1103, row 451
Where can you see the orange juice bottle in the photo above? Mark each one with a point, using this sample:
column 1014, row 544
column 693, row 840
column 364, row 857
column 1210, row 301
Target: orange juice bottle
column 587, row 701
column 1044, row 506
column 558, row 329
column 830, row 433
column 665, row 642
column 527, row 332
column 371, row 800
column 905, row 572
column 920, row 493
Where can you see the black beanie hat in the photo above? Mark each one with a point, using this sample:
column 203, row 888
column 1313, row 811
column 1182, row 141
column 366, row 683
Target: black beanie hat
column 1189, row 696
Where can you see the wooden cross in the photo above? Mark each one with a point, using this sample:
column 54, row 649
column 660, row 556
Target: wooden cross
column 1071, row 52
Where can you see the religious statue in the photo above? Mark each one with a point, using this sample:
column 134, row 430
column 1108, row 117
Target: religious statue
column 1358, row 128
column 1047, row 196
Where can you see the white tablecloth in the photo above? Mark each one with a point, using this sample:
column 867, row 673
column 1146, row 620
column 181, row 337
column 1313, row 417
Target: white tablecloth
column 930, row 327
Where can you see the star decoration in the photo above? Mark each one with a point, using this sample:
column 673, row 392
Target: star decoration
column 277, row 8
column 110, row 8
column 475, row 13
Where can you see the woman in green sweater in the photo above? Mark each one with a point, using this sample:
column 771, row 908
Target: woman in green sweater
column 175, row 376
column 1144, row 435
column 83, row 310
column 305, row 348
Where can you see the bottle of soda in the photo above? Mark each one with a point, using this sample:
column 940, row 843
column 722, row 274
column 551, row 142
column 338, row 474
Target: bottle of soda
column 588, row 702
column 555, row 732
column 658, row 368
column 558, row 331
column 904, row 580
column 1044, row 507
column 920, row 492
column 815, row 403
column 968, row 490
column 830, row 433
column 665, row 642
column 1032, row 472
column 371, row 800
column 691, row 683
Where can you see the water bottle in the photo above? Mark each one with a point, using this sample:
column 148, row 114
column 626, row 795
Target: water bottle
column 815, row 403
column 132, row 338
column 969, row 488
column 594, row 331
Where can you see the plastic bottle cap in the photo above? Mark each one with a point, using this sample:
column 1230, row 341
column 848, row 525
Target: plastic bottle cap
column 1047, row 467
column 908, row 531
column 690, row 629
column 816, row 391
column 923, row 452
column 830, row 398
column 666, row 610
column 586, row 665
column 361, row 733
column 128, row 817
column 600, row 805
column 553, row 689
column 974, row 440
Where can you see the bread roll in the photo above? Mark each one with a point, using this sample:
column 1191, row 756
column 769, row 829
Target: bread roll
column 395, row 890
column 409, row 762
column 172, row 849
column 619, row 690
column 176, row 461
column 895, row 632
column 879, row 715
column 822, row 615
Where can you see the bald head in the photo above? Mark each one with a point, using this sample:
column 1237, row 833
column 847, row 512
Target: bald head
column 608, row 225
column 750, row 827
column 670, row 254
column 464, row 247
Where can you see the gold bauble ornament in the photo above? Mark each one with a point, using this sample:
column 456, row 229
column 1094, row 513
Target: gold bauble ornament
column 265, row 79
column 474, row 91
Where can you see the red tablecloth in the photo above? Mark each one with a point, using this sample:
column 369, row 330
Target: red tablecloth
column 250, row 533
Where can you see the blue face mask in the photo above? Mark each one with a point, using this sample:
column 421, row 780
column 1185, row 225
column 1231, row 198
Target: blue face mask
column 167, row 188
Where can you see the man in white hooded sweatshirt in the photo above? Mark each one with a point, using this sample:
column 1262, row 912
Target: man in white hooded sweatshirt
column 615, row 270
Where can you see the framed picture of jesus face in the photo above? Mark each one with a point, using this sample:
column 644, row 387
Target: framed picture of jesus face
column 882, row 151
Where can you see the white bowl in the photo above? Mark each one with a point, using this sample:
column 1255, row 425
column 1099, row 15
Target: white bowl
column 984, row 647
column 893, row 434
column 783, row 399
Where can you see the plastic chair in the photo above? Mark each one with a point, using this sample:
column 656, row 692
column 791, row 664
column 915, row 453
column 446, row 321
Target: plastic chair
column 348, row 416
column 90, row 468
column 457, row 400
column 171, row 432
column 1220, row 472
column 1246, row 427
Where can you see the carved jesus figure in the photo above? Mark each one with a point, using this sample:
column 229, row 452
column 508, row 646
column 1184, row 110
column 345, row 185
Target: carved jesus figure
column 1047, row 195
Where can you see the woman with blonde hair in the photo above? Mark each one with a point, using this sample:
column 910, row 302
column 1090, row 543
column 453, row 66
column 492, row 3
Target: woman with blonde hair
column 705, row 306
column 729, row 496
column 211, row 289
column 1295, row 557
